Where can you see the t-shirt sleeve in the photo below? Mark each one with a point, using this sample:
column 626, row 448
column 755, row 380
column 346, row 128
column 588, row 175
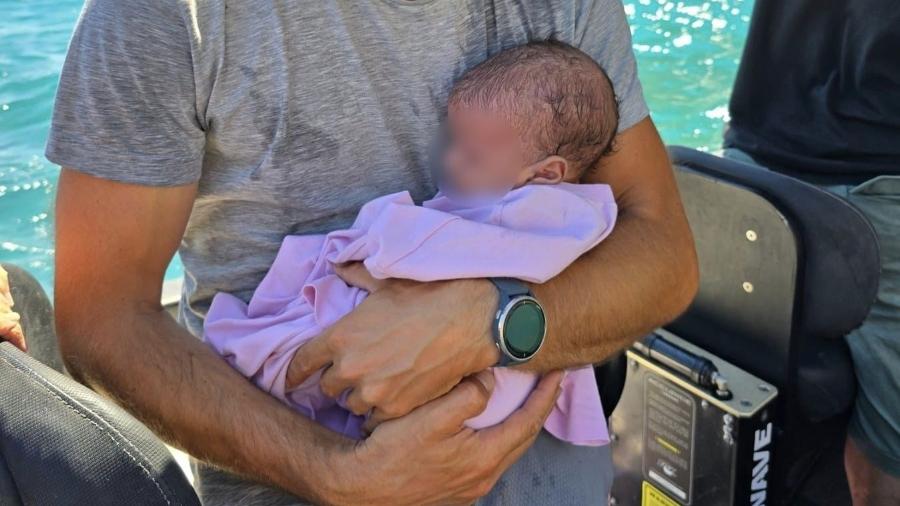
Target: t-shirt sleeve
column 126, row 104
column 601, row 30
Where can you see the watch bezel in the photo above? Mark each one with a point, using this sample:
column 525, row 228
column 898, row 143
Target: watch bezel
column 501, row 324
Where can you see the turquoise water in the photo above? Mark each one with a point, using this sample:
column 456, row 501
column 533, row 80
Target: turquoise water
column 687, row 54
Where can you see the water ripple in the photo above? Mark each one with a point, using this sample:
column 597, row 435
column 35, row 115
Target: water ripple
column 688, row 54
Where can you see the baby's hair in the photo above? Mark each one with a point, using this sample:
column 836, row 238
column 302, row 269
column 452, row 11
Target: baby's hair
column 558, row 98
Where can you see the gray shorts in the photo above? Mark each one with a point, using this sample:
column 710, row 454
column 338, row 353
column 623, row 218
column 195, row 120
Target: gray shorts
column 875, row 345
column 550, row 472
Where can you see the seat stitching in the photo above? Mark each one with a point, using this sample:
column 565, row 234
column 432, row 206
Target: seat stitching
column 93, row 422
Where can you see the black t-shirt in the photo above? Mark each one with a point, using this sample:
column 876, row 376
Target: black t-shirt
column 818, row 90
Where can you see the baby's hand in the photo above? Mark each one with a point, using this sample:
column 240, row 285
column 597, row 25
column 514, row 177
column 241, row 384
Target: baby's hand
column 10, row 328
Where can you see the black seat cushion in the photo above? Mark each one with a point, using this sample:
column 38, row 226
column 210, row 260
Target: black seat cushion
column 60, row 444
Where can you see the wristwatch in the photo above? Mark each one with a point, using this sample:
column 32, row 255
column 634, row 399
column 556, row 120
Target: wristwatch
column 519, row 323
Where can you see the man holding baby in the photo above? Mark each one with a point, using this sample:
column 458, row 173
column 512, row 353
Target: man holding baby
column 216, row 129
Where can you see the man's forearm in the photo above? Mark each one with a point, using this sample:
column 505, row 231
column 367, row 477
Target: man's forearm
column 193, row 399
column 643, row 276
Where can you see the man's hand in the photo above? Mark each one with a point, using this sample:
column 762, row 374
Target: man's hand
column 394, row 359
column 356, row 274
column 426, row 457
column 10, row 328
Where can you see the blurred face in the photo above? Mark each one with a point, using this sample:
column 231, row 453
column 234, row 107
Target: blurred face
column 484, row 152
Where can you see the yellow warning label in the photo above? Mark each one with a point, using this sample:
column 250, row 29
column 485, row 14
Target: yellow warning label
column 652, row 496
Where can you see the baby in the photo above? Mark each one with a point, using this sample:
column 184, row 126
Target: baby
column 542, row 113
column 523, row 128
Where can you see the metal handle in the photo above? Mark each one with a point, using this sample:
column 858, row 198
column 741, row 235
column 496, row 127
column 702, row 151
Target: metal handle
column 699, row 369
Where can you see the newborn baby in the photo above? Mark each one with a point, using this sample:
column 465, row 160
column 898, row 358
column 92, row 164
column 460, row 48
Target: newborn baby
column 523, row 128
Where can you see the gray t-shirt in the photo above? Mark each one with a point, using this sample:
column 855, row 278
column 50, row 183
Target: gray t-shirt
column 290, row 114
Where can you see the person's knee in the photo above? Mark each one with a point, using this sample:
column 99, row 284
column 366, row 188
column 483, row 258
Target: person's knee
column 869, row 485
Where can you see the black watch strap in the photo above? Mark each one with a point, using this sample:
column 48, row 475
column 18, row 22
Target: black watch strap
column 509, row 289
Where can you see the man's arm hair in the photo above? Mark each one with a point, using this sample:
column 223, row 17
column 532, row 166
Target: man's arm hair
column 644, row 275
column 113, row 243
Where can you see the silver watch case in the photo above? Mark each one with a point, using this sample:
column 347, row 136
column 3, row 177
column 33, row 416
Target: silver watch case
column 502, row 314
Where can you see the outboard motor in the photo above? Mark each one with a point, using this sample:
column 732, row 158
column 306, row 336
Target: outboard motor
column 745, row 399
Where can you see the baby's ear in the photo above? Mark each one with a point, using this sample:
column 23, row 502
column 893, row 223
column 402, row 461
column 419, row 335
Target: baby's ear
column 550, row 170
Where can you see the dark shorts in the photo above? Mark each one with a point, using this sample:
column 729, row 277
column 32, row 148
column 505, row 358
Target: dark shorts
column 875, row 345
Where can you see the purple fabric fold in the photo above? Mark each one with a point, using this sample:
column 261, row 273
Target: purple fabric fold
column 532, row 233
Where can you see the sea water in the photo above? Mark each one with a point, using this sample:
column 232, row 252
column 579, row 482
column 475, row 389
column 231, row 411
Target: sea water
column 687, row 54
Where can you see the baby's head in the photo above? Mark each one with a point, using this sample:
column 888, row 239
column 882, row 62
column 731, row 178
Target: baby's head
column 541, row 113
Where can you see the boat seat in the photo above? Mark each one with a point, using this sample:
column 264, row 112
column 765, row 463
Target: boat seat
column 64, row 444
column 786, row 270
column 61, row 443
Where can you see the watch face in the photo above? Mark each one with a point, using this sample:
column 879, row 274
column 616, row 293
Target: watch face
column 523, row 330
